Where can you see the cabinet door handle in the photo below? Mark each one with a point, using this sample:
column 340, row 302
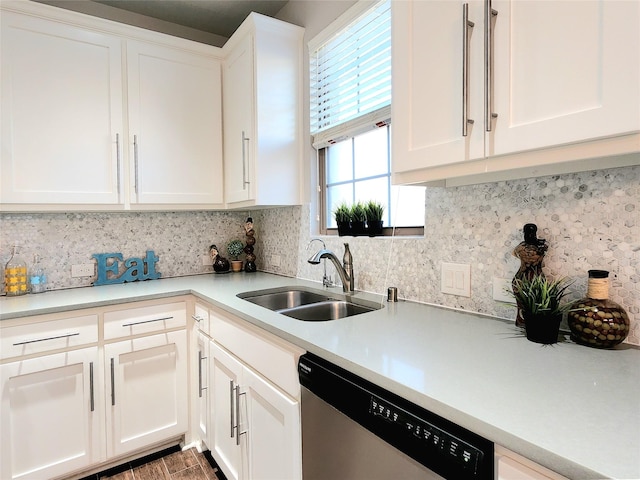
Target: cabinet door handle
column 66, row 335
column 237, row 427
column 197, row 318
column 245, row 182
column 200, row 387
column 135, row 161
column 232, row 403
column 467, row 25
column 118, row 163
column 91, row 392
column 146, row 321
column 113, row 383
column 489, row 17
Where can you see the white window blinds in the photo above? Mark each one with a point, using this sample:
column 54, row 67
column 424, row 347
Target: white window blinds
column 350, row 74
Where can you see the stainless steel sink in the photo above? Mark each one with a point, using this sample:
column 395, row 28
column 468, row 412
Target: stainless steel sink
column 308, row 305
column 329, row 310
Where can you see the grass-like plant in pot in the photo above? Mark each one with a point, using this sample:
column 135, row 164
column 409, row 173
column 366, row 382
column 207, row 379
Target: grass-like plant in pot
column 540, row 301
column 374, row 212
column 358, row 218
column 235, row 248
column 342, row 215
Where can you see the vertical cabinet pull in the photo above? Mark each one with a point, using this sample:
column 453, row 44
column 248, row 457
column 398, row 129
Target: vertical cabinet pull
column 91, row 392
column 489, row 19
column 200, row 387
column 467, row 25
column 245, row 182
column 234, row 407
column 118, row 163
column 113, row 383
column 135, row 161
column 232, row 403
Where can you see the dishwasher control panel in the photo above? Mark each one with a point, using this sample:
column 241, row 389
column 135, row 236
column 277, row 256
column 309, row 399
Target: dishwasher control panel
column 431, row 439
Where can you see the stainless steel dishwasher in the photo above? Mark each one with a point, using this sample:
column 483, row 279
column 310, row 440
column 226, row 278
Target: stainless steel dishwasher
column 355, row 430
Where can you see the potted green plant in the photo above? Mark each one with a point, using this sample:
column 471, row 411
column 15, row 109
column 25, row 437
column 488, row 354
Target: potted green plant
column 342, row 215
column 374, row 212
column 235, row 247
column 540, row 301
column 358, row 218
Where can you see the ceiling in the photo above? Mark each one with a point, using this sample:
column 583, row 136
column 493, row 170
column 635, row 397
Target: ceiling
column 216, row 17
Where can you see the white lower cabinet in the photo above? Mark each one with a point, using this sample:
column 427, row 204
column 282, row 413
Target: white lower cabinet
column 148, row 397
column 52, row 415
column 511, row 466
column 202, row 379
column 256, row 428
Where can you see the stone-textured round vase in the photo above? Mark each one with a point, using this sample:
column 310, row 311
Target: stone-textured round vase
column 542, row 328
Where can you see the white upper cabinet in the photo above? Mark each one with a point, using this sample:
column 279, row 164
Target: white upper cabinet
column 262, row 105
column 102, row 116
column 488, row 91
column 175, row 126
column 62, row 113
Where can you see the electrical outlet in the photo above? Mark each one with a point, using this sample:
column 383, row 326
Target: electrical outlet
column 207, row 260
column 501, row 289
column 275, row 260
column 83, row 270
column 455, row 279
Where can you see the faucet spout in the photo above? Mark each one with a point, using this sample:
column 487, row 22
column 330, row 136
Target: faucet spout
column 345, row 272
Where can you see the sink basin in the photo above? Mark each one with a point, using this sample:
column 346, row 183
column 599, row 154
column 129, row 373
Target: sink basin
column 281, row 299
column 308, row 305
column 323, row 311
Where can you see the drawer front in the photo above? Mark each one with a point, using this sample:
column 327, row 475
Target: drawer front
column 143, row 320
column 201, row 318
column 267, row 354
column 46, row 336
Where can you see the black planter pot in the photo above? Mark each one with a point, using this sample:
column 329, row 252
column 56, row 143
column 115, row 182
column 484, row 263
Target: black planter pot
column 542, row 328
column 344, row 228
column 357, row 228
column 374, row 227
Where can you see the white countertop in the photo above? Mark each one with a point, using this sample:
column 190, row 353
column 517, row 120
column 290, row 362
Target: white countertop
column 573, row 409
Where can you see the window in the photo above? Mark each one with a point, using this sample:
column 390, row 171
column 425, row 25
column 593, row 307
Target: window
column 350, row 72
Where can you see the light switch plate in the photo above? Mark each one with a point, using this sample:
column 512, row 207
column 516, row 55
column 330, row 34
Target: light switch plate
column 455, row 279
column 501, row 289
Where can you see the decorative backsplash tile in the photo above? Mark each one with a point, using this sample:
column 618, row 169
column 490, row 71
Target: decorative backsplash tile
column 590, row 220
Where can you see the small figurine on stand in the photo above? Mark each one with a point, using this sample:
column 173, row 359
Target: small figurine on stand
column 531, row 253
column 250, row 239
column 220, row 264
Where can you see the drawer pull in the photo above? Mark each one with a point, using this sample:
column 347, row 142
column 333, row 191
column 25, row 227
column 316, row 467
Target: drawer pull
column 146, row 321
column 197, row 318
column 45, row 339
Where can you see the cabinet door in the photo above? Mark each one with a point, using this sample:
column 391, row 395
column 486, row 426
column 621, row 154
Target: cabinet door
column 61, row 113
column 52, row 415
column 273, row 431
column 202, row 389
column 239, row 118
column 564, row 72
column 175, row 126
column 147, row 396
column 226, row 375
column 428, row 84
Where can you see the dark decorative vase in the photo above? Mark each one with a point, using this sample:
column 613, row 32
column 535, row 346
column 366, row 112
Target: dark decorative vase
column 542, row 328
column 595, row 320
column 374, row 227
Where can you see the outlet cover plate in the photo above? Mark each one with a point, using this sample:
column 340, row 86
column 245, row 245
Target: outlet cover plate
column 501, row 289
column 83, row 270
column 455, row 279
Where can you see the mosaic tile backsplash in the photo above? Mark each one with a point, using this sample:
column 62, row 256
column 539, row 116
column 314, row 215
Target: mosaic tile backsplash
column 590, row 220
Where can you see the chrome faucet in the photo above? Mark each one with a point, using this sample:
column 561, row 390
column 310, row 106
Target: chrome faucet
column 345, row 272
column 326, row 280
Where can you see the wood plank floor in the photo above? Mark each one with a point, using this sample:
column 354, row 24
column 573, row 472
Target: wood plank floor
column 172, row 464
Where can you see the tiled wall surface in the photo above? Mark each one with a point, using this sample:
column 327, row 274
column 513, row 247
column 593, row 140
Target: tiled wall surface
column 590, row 220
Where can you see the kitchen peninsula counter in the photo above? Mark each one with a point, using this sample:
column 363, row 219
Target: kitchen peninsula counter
column 573, row 409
